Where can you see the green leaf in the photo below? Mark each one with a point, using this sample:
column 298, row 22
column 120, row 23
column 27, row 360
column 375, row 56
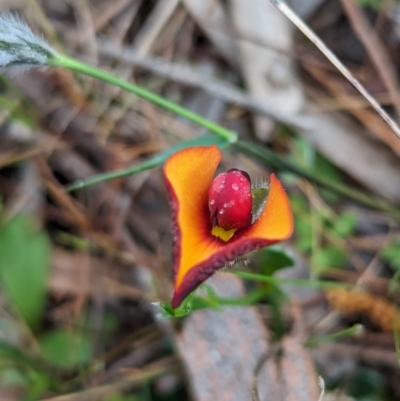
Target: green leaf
column 391, row 254
column 10, row 353
column 168, row 312
column 303, row 234
column 325, row 168
column 272, row 259
column 259, row 197
column 329, row 256
column 299, row 202
column 11, row 377
column 24, row 265
column 345, row 224
column 39, row 383
column 374, row 4
column 394, row 283
column 65, row 350
column 303, row 153
column 366, row 384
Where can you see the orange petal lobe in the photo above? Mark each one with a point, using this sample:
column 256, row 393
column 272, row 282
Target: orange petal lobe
column 189, row 174
column 276, row 221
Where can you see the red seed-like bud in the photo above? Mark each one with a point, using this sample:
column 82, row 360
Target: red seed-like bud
column 230, row 200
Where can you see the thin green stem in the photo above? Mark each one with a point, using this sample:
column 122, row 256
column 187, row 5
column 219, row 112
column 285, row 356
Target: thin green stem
column 78, row 66
column 249, row 299
column 99, row 178
column 351, row 331
column 297, row 282
column 155, row 161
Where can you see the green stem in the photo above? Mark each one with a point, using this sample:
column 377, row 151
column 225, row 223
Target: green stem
column 154, row 161
column 99, row 178
column 78, row 66
column 351, row 331
column 297, row 282
column 263, row 154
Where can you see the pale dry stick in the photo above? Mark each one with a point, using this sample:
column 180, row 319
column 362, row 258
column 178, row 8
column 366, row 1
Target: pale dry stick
column 285, row 9
column 85, row 26
column 375, row 49
column 154, row 25
column 273, row 350
column 321, row 384
column 35, row 10
column 187, row 75
column 112, row 10
column 352, row 102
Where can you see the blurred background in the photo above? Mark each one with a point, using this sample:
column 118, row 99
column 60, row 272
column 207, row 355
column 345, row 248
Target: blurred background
column 81, row 272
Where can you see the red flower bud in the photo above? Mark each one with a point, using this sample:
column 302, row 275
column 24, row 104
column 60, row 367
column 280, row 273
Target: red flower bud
column 230, row 200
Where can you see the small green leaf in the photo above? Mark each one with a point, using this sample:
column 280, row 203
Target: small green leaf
column 273, row 259
column 24, row 264
column 168, row 312
column 329, row 256
column 394, row 283
column 366, row 384
column 326, row 169
column 374, row 4
column 345, row 224
column 303, row 153
column 65, row 350
column 299, row 202
column 259, row 196
column 391, row 254
column 11, row 377
column 303, row 234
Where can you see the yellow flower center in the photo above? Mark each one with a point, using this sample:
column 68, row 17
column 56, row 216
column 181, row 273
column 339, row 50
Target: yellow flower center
column 225, row 235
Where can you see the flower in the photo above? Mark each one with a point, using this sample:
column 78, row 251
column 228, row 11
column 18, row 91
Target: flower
column 205, row 239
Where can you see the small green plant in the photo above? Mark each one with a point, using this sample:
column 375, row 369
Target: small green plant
column 24, row 266
column 375, row 4
column 24, row 269
column 390, row 253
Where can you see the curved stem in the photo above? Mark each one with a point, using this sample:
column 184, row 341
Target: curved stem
column 78, row 66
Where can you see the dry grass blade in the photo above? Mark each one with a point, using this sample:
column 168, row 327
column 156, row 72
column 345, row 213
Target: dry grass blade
column 336, row 62
column 375, row 49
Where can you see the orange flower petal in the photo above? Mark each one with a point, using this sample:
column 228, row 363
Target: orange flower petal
column 197, row 253
column 276, row 221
